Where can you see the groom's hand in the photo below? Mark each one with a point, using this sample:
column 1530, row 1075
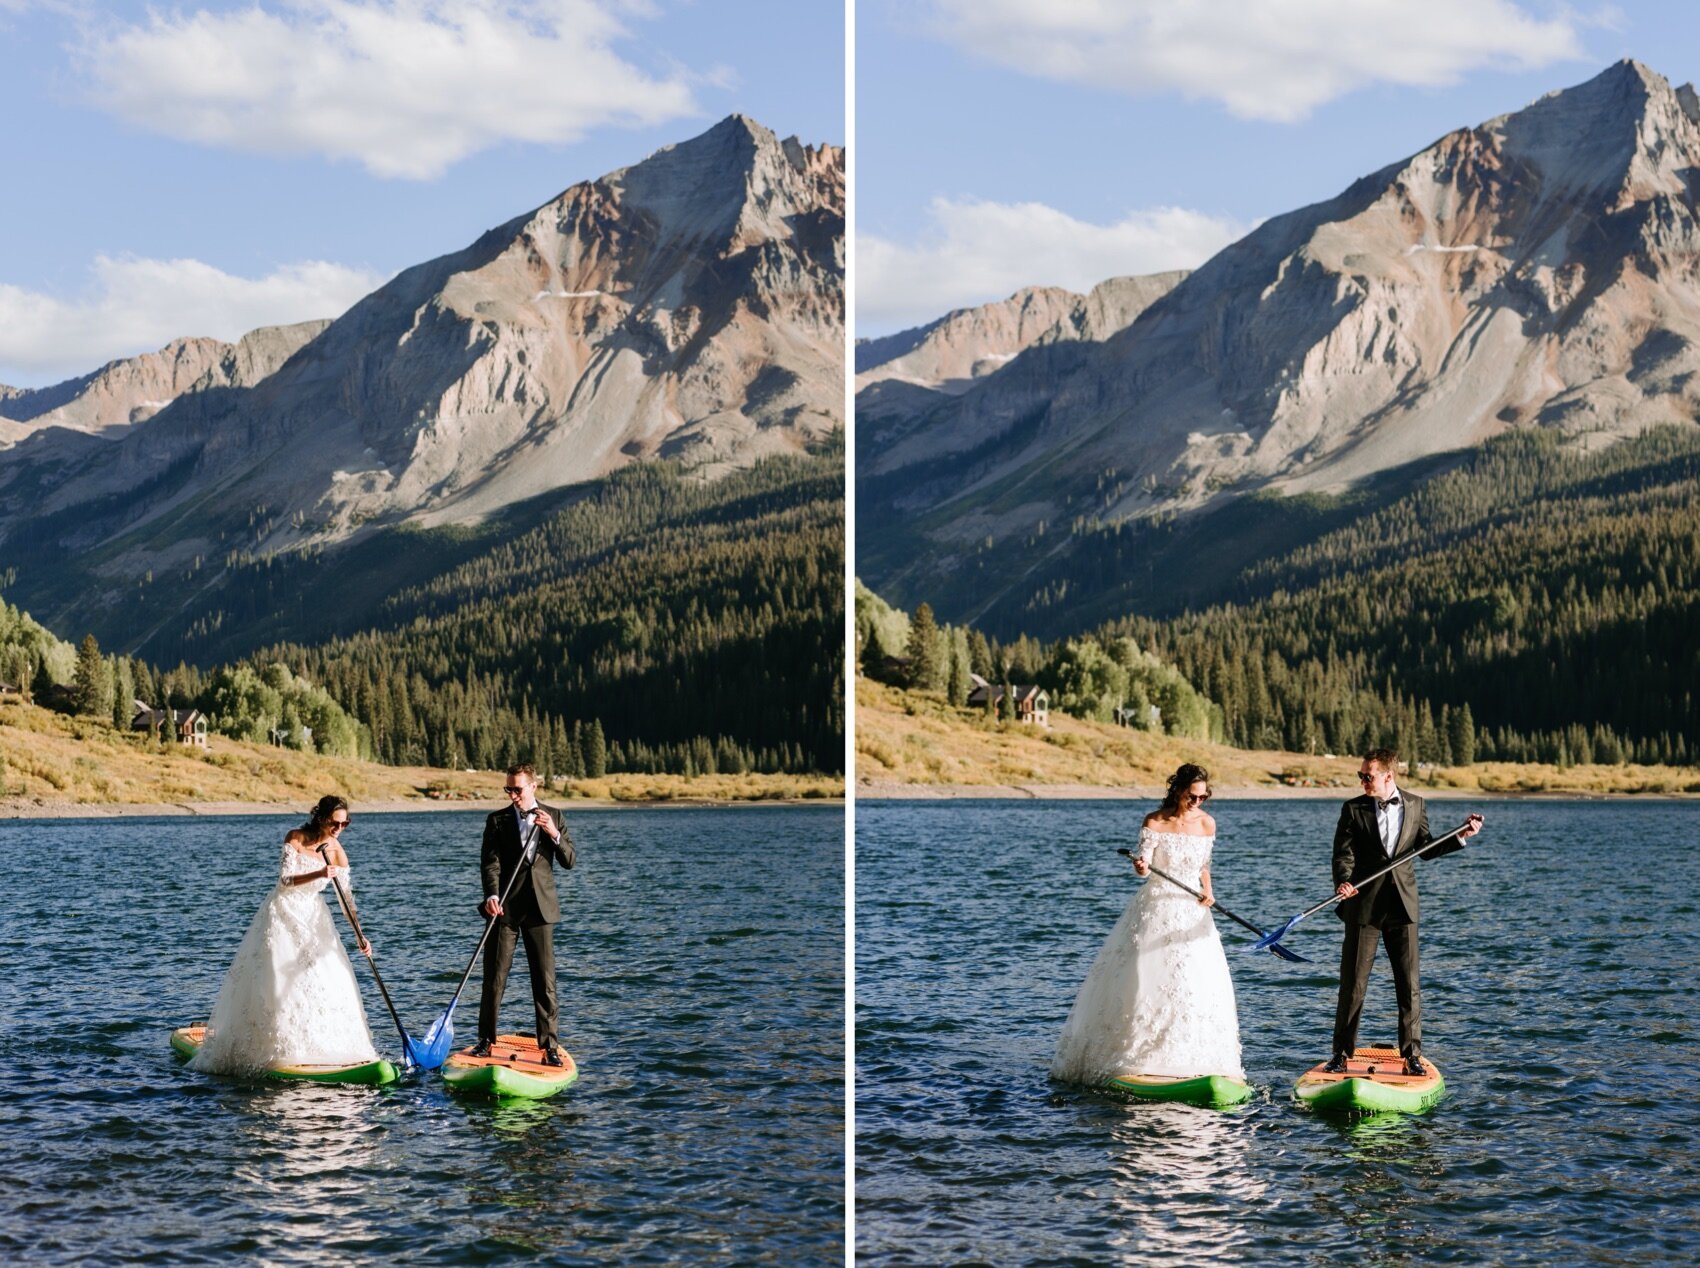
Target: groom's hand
column 492, row 907
column 1475, row 825
column 540, row 819
column 1346, row 889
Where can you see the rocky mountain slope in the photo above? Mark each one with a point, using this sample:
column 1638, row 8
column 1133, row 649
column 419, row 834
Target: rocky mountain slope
column 689, row 306
column 904, row 375
column 1539, row 270
column 134, row 389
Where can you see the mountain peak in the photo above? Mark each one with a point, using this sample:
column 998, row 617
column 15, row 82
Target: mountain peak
column 1625, row 132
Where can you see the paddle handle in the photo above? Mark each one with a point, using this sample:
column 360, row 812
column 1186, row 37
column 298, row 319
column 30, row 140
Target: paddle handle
column 1157, row 871
column 1396, row 863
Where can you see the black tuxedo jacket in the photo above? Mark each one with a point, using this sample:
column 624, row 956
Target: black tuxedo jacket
column 533, row 900
column 1358, row 852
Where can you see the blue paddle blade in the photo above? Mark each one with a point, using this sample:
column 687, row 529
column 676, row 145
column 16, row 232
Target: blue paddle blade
column 1285, row 954
column 1267, row 941
column 430, row 1052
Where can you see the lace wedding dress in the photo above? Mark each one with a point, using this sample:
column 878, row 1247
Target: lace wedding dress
column 1158, row 999
column 290, row 997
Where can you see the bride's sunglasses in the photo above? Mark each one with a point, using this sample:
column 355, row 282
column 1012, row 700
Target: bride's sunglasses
column 1195, row 799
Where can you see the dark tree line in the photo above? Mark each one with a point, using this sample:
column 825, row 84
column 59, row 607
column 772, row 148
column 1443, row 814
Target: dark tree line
column 653, row 622
column 1529, row 602
column 696, row 626
column 1546, row 595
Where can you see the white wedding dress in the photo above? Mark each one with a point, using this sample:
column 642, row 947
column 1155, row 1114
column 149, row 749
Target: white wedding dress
column 290, row 997
column 1158, row 999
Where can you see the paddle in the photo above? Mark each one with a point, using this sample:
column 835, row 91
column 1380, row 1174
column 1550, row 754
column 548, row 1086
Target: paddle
column 1282, row 952
column 408, row 1060
column 434, row 1049
column 1270, row 940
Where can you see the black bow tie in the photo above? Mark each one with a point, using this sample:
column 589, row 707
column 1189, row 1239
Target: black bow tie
column 1391, row 801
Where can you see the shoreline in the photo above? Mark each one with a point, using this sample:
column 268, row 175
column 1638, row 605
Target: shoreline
column 893, row 790
column 13, row 811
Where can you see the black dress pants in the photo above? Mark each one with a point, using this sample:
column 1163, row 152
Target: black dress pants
column 1357, row 956
column 539, row 959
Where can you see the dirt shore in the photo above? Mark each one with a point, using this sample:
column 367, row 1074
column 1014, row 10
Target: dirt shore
column 15, row 809
column 888, row 790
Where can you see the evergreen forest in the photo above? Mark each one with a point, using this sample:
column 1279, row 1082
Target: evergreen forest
column 651, row 621
column 1531, row 600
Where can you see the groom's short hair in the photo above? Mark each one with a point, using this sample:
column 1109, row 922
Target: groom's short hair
column 524, row 768
column 1385, row 758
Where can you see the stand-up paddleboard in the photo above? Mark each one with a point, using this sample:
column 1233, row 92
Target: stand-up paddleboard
column 1375, row 1080
column 186, row 1042
column 1213, row 1090
column 513, row 1068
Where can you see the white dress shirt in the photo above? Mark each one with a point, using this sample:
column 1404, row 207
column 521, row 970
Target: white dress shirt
column 1390, row 819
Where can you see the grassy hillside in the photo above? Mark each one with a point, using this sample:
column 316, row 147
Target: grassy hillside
column 49, row 761
column 918, row 739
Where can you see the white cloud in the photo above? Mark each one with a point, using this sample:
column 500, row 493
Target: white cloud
column 1262, row 59
column 404, row 87
column 137, row 305
column 981, row 251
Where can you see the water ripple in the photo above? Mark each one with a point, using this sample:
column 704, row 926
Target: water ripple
column 701, row 990
column 1559, row 1000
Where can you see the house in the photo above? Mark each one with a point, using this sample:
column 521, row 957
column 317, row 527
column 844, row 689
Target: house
column 1032, row 703
column 188, row 726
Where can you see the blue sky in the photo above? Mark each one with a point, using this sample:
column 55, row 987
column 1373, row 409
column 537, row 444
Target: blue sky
column 1004, row 143
column 203, row 168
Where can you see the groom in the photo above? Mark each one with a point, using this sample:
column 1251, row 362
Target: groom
column 1374, row 828
column 528, row 838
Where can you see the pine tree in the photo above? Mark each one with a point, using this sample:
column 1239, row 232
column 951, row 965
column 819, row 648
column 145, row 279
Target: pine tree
column 925, row 651
column 595, row 750
column 89, row 694
column 1463, row 735
column 956, row 687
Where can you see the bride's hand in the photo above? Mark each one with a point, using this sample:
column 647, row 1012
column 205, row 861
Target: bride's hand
column 332, row 872
column 1141, row 867
column 1209, row 900
column 366, row 949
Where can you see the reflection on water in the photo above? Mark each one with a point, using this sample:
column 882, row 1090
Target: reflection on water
column 1177, row 1173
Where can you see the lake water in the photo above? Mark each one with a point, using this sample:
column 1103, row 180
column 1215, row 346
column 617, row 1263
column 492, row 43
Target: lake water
column 1560, row 1001
column 700, row 965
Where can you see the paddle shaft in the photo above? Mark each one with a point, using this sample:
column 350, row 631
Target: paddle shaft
column 1157, row 871
column 348, row 910
column 1396, row 863
column 525, row 856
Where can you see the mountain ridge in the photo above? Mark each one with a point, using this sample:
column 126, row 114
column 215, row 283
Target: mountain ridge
column 689, row 306
column 1529, row 271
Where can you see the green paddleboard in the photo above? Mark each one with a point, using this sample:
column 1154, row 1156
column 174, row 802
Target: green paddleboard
column 1216, row 1091
column 1374, row 1082
column 513, row 1068
column 186, row 1042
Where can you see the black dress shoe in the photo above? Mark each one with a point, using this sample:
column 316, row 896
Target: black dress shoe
column 1337, row 1065
column 552, row 1056
column 481, row 1048
column 1414, row 1067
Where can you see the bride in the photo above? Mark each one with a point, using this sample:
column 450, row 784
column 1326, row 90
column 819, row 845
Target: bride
column 290, row 997
column 1158, row 999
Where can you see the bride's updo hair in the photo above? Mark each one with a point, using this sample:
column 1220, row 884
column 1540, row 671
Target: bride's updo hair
column 1188, row 775
column 318, row 819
